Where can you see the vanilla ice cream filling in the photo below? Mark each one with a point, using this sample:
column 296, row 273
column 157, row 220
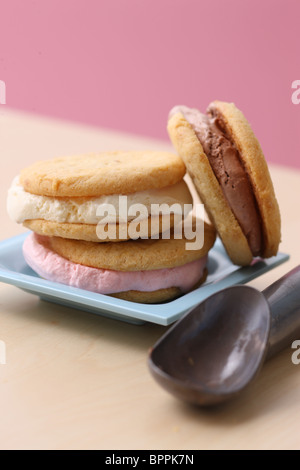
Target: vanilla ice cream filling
column 22, row 205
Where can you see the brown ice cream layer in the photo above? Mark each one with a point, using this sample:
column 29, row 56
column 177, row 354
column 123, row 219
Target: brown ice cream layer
column 228, row 168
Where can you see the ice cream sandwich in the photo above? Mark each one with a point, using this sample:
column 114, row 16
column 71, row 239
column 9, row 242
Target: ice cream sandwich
column 90, row 197
column 227, row 165
column 147, row 271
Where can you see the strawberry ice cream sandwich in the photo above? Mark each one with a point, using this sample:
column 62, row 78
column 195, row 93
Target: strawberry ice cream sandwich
column 147, row 271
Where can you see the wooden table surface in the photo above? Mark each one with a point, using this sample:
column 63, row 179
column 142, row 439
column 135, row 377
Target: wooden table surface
column 74, row 380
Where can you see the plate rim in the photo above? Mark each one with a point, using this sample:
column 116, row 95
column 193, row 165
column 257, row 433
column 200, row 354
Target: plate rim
column 163, row 314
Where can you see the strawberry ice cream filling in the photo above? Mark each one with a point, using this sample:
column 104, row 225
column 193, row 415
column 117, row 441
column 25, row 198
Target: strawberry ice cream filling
column 53, row 267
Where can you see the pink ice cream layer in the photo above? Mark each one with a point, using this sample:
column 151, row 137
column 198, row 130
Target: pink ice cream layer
column 54, row 267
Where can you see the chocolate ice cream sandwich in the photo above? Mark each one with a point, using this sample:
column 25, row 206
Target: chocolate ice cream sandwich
column 227, row 165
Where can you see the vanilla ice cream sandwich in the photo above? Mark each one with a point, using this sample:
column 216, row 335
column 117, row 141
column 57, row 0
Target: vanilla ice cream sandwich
column 108, row 196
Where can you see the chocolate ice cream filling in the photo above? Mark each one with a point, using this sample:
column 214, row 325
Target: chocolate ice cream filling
column 228, row 168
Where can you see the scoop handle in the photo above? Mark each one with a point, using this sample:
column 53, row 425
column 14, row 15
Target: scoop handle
column 283, row 297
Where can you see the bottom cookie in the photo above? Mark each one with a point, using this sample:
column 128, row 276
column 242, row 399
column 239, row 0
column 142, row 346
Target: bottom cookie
column 156, row 297
column 147, row 228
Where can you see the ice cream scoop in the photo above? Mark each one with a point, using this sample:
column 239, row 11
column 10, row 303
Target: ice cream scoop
column 216, row 350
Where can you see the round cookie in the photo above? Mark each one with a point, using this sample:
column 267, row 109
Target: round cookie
column 132, row 255
column 102, row 173
column 237, row 129
column 154, row 297
column 88, row 232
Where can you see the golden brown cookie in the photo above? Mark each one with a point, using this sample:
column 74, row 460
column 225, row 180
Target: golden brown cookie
column 133, row 255
column 102, row 173
column 158, row 296
column 155, row 297
column 183, row 128
column 88, row 232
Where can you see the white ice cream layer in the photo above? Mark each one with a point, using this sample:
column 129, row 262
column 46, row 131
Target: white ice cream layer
column 22, row 205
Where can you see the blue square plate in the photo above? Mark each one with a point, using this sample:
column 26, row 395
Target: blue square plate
column 221, row 273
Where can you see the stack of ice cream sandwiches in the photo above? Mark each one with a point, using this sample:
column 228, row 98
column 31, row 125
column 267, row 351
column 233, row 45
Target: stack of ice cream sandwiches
column 99, row 221
column 102, row 222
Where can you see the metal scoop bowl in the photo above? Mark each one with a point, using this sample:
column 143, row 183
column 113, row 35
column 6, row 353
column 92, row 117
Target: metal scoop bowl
column 217, row 349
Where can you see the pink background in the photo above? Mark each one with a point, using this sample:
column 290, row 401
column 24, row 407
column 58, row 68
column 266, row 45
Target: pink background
column 123, row 64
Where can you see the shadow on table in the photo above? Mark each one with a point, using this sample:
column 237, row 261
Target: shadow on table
column 266, row 395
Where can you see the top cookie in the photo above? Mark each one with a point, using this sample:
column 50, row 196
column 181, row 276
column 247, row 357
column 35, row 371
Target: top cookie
column 99, row 174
